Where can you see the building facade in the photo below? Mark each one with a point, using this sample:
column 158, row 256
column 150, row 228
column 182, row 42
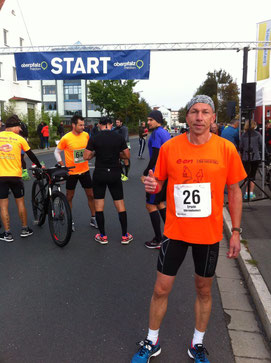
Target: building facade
column 67, row 98
column 24, row 96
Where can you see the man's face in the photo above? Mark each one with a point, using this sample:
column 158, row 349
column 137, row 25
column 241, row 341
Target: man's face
column 79, row 127
column 143, row 124
column 153, row 124
column 199, row 118
column 17, row 129
column 118, row 123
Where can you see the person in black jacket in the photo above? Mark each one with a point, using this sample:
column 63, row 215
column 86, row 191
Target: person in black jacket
column 60, row 130
column 250, row 147
column 39, row 128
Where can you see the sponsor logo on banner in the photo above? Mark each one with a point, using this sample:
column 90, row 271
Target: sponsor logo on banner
column 83, row 65
column 263, row 56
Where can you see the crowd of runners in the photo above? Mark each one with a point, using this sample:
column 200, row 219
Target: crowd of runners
column 184, row 180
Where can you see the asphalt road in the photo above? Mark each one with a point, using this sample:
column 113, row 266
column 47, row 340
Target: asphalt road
column 89, row 303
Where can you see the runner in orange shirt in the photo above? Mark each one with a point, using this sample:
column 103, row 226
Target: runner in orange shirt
column 11, row 145
column 73, row 144
column 197, row 166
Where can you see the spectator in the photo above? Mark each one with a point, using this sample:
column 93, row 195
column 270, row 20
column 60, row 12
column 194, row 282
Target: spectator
column 39, row 128
column 231, row 132
column 45, row 133
column 61, row 130
column 2, row 126
column 250, row 147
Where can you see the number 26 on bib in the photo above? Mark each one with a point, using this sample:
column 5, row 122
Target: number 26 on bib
column 193, row 200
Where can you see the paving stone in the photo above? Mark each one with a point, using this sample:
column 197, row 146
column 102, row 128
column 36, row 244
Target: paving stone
column 235, row 301
column 227, row 268
column 242, row 320
column 251, row 345
column 231, row 285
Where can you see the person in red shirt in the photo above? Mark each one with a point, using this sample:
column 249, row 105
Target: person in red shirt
column 45, row 134
column 197, row 166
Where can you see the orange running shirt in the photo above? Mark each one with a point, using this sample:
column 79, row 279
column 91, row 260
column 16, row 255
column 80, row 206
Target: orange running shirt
column 11, row 146
column 74, row 147
column 216, row 162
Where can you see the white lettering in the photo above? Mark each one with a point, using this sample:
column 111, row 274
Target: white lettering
column 105, row 60
column 54, row 63
column 68, row 62
column 92, row 63
column 79, row 66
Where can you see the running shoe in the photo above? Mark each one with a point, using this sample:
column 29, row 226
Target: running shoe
column 245, row 196
column 152, row 244
column 93, row 222
column 101, row 239
column 252, row 195
column 124, row 177
column 146, row 351
column 6, row 236
column 73, row 226
column 25, row 232
column 198, row 353
column 126, row 239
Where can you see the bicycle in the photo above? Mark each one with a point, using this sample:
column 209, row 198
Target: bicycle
column 47, row 198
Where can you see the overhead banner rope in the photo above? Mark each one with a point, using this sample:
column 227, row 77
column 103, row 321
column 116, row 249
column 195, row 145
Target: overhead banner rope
column 129, row 64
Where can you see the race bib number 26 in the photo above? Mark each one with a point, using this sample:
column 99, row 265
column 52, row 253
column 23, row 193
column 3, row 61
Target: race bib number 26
column 193, row 200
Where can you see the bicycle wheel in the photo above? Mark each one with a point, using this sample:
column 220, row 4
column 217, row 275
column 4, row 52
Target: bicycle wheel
column 60, row 219
column 38, row 202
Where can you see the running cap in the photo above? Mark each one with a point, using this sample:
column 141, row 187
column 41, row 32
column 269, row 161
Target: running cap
column 200, row 99
column 13, row 121
column 157, row 116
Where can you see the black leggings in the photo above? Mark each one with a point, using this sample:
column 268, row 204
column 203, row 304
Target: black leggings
column 103, row 177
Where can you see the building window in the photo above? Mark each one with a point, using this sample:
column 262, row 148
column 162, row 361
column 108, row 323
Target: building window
column 28, row 83
column 49, row 106
column 49, row 90
column 21, row 42
column 14, row 74
column 5, row 37
column 92, row 106
column 72, row 91
column 71, row 113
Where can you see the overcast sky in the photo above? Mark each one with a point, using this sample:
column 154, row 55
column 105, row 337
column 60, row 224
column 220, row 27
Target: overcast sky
column 174, row 76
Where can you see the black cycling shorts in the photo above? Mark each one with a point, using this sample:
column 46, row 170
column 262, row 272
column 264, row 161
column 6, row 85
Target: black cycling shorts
column 111, row 178
column 159, row 197
column 84, row 179
column 173, row 252
column 11, row 183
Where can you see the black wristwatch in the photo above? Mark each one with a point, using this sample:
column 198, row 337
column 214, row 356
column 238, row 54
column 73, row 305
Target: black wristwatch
column 240, row 230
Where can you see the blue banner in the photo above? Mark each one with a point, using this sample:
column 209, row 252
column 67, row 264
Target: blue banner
column 130, row 64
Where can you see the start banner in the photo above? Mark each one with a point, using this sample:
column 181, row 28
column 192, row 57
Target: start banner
column 130, row 64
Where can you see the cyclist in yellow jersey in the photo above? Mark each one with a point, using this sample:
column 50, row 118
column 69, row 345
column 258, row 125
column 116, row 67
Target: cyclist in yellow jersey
column 73, row 144
column 11, row 145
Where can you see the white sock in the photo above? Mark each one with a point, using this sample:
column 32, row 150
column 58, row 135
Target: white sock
column 197, row 337
column 153, row 336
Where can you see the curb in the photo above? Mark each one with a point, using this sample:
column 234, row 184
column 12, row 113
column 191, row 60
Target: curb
column 256, row 285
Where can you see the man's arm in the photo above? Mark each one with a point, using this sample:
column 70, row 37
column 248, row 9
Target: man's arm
column 235, row 209
column 88, row 154
column 125, row 154
column 58, row 158
column 152, row 162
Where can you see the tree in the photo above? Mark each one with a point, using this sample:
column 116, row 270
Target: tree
column 182, row 115
column 111, row 97
column 220, row 86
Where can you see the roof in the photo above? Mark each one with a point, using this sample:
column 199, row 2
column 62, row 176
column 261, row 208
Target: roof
column 21, row 99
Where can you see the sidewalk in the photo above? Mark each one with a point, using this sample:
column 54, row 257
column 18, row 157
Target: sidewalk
column 254, row 262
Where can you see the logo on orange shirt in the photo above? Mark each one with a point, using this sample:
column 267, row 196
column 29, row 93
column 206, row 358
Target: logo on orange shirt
column 6, row 148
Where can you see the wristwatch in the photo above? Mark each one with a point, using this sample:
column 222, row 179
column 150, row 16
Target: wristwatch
column 240, row 230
